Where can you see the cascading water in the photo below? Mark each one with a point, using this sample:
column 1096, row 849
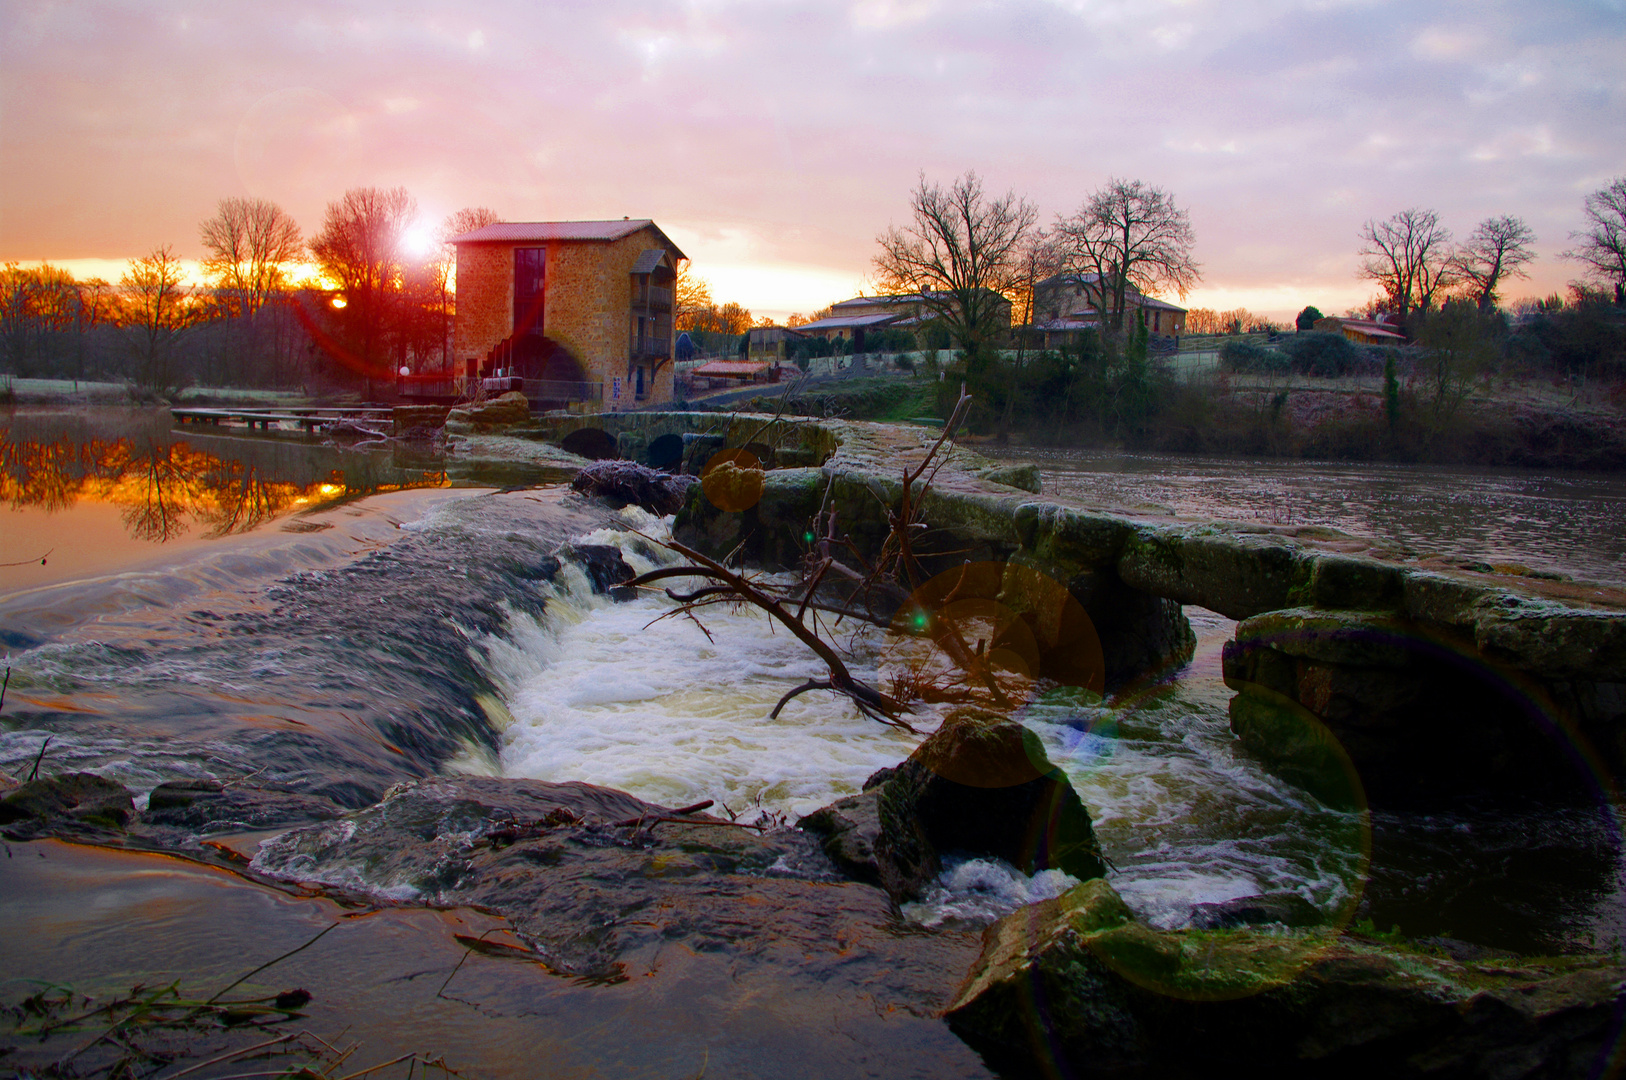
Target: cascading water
column 436, row 633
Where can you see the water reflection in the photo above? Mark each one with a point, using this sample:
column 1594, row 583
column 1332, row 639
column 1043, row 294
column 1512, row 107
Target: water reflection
column 164, row 486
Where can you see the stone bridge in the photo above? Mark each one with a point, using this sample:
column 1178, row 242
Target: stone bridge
column 1433, row 677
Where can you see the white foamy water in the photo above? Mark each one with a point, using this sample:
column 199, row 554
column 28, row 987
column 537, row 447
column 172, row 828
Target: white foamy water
column 1185, row 816
column 976, row 892
column 603, row 693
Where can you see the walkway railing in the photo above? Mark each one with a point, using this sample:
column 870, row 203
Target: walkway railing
column 460, row 388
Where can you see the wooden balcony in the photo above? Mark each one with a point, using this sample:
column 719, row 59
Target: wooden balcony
column 652, row 298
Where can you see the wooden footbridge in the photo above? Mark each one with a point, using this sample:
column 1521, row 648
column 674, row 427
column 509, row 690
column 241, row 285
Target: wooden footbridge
column 265, row 419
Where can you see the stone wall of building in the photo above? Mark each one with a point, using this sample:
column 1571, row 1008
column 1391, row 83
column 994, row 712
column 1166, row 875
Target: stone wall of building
column 485, row 301
column 588, row 306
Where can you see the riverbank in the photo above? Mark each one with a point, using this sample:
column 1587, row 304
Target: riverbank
column 1508, row 423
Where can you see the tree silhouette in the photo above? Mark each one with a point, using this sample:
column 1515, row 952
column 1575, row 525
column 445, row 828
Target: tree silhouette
column 1498, row 248
column 1602, row 244
column 961, row 253
column 160, row 313
column 1409, row 255
column 360, row 250
column 1129, row 236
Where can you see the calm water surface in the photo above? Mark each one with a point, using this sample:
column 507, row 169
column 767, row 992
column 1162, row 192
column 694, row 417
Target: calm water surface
column 1559, row 522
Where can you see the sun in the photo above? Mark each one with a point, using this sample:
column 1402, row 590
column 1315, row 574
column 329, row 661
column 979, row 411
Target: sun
column 418, row 241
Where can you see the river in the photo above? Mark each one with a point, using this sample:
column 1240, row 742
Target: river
column 1570, row 523
column 364, row 617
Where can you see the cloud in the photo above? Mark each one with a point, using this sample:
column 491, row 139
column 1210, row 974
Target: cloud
column 803, row 125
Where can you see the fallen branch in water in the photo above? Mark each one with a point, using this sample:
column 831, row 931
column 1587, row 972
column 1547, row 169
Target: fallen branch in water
column 27, row 562
column 874, row 590
column 638, row 823
column 870, row 701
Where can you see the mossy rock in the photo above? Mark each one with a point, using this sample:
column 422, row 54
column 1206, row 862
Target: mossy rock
column 1075, row 986
column 66, row 804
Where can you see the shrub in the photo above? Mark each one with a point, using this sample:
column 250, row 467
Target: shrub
column 1324, row 354
column 1245, row 356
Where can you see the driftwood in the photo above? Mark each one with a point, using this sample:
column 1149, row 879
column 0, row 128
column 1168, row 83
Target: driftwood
column 871, row 591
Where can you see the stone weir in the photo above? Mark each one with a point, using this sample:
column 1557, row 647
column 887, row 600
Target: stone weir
column 1426, row 678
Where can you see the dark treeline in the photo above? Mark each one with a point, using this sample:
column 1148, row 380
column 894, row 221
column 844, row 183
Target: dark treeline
column 378, row 303
column 54, row 327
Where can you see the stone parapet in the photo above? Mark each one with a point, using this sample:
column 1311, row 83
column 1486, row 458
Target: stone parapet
column 1373, row 643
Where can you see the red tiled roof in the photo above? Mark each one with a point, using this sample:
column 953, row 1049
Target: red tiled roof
column 734, row 368
column 511, row 232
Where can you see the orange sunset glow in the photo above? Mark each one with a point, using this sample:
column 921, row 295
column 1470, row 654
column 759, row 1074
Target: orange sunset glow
column 775, row 142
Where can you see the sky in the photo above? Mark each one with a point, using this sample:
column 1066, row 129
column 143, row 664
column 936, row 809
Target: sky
column 774, row 140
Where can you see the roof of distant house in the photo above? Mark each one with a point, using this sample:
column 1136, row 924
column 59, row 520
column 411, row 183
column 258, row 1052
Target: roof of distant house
column 521, row 232
column 1369, row 327
column 731, row 368
column 855, row 322
column 894, row 301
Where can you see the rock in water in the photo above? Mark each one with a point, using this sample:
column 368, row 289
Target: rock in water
column 1076, row 986
column 69, row 804
column 624, row 482
column 605, row 567
column 505, row 410
column 1285, row 908
column 980, row 785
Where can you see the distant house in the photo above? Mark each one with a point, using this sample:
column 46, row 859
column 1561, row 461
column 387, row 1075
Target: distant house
column 771, row 342
column 1053, row 333
column 853, row 319
column 743, row 371
column 851, row 328
column 1377, row 331
column 580, row 311
column 1074, row 298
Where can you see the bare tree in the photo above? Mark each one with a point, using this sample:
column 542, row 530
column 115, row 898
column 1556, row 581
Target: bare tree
column 250, row 241
column 160, row 313
column 1498, row 248
column 1410, row 257
column 691, row 297
column 962, row 254
column 1040, row 257
column 1129, row 236
column 360, row 250
column 442, row 266
column 1602, row 244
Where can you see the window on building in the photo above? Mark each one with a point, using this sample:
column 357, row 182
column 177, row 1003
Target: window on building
column 530, row 280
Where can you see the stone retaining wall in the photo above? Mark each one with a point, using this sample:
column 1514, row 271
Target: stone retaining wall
column 1429, row 678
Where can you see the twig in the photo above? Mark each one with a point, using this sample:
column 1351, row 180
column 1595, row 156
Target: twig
column 375, row 1068
column 41, row 560
column 234, row 1054
column 811, row 684
column 3, row 686
column 268, row 963
column 870, row 701
column 638, row 822
column 35, row 772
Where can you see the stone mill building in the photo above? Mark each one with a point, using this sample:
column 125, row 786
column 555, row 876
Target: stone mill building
column 580, row 311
